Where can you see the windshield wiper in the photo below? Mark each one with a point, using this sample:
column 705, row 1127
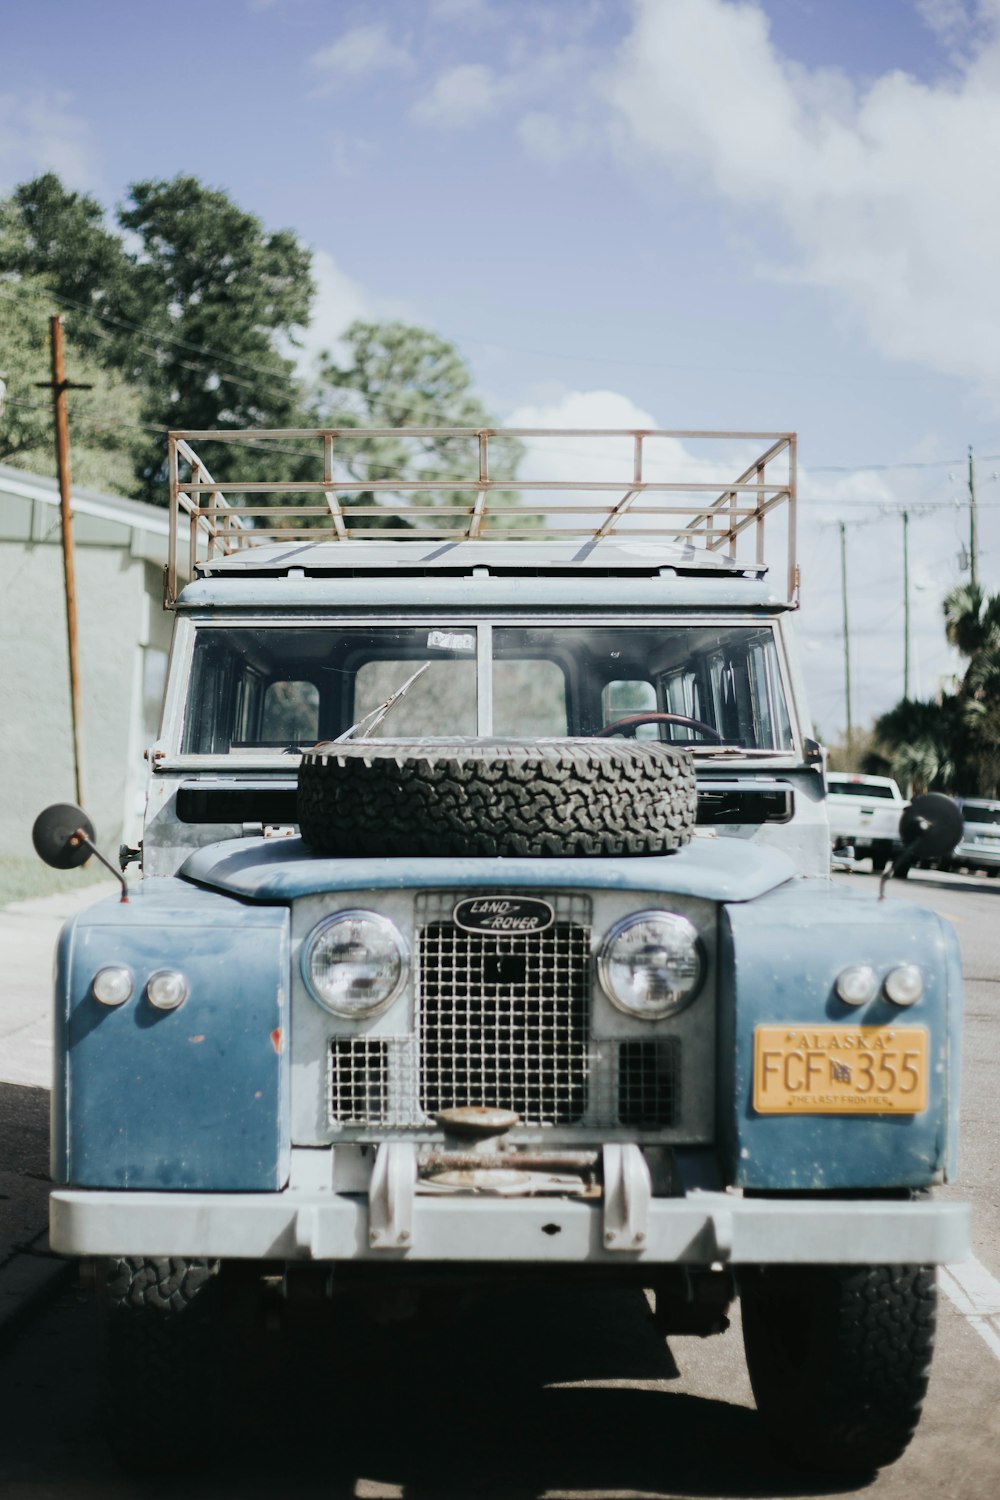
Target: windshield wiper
column 373, row 720
column 747, row 751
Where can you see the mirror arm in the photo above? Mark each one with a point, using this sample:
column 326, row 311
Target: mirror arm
column 80, row 838
column 901, row 863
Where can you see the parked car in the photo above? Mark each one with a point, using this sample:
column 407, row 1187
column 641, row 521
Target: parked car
column 864, row 815
column 484, row 930
column 979, row 848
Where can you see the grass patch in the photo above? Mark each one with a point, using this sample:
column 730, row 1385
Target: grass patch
column 22, row 878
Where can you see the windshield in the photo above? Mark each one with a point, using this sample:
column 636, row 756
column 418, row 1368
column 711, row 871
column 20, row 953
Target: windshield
column 273, row 689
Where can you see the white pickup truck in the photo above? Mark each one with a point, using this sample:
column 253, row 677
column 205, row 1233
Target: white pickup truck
column 864, row 815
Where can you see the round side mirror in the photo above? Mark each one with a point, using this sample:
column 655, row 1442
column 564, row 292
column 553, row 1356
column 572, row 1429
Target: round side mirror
column 931, row 826
column 55, row 836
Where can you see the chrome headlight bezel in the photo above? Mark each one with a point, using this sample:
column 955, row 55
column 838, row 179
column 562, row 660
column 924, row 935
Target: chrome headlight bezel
column 388, row 930
column 679, row 928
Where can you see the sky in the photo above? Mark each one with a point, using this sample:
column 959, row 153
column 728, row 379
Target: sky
column 730, row 214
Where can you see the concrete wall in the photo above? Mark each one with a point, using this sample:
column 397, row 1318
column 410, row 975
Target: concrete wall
column 123, row 636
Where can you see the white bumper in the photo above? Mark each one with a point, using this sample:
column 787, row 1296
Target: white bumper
column 396, row 1221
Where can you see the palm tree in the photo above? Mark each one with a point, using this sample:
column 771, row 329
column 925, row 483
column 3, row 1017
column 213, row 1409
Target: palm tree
column 924, row 744
column 952, row 743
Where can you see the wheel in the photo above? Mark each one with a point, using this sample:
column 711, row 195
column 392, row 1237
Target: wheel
column 631, row 722
column 496, row 797
column 881, row 855
column 163, row 1337
column 839, row 1358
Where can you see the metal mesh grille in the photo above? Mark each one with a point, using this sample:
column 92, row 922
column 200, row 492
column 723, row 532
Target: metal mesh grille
column 504, row 1020
column 649, row 1083
column 359, row 1081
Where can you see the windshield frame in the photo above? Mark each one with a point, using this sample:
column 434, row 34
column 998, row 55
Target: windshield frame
column 167, row 752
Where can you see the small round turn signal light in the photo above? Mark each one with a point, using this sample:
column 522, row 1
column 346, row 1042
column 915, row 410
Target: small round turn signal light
column 112, row 986
column 167, row 989
column 857, row 984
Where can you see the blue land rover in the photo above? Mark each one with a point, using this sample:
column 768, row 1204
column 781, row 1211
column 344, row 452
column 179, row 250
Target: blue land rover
column 485, row 921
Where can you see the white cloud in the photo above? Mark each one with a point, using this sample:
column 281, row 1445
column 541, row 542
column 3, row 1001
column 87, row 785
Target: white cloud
column 40, row 133
column 551, row 139
column 462, row 96
column 360, row 52
column 463, row 12
column 882, row 196
column 339, row 300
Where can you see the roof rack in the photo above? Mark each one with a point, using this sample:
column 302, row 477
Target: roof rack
column 659, row 489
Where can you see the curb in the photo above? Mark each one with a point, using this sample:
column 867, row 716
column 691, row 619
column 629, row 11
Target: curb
column 31, row 1279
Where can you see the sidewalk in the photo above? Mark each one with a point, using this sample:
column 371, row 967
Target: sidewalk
column 28, row 931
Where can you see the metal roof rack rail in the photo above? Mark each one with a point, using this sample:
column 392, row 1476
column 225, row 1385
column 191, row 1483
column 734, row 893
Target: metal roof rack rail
column 659, row 489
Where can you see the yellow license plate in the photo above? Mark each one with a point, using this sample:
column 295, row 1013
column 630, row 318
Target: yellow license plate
column 840, row 1070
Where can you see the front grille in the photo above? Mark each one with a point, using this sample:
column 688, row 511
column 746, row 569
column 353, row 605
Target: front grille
column 649, row 1083
column 504, row 1020
column 359, row 1081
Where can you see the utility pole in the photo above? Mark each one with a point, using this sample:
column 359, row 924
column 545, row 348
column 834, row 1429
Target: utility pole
column 847, row 636
column 973, row 539
column 906, row 604
column 59, row 385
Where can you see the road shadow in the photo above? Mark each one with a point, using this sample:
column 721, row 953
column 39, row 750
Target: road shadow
column 486, row 1405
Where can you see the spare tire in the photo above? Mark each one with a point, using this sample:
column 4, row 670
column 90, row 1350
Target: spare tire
column 496, row 797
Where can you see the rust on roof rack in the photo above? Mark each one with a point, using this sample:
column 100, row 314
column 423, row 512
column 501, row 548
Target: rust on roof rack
column 657, row 489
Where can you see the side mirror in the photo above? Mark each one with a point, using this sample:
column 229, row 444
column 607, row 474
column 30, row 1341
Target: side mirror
column 930, row 827
column 65, row 838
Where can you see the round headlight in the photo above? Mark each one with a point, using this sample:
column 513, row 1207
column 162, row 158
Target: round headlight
column 650, row 964
column 167, row 989
column 355, row 964
column 112, row 986
column 904, row 985
column 857, row 985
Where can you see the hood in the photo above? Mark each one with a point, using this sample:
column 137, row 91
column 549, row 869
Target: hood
column 280, row 870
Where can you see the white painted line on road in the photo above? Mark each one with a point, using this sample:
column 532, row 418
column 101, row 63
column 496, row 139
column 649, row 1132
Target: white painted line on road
column 975, row 1293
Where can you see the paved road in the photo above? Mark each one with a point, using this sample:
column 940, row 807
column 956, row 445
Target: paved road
column 538, row 1395
column 28, row 932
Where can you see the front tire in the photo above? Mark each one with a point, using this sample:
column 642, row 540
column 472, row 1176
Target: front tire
column 839, row 1358
column 162, row 1336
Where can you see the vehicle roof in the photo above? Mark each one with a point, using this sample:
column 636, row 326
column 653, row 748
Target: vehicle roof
column 605, row 555
column 480, row 594
column 477, row 574
column 977, row 802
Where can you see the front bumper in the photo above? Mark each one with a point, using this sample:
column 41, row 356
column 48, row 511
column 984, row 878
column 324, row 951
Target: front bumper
column 394, row 1221
column 984, row 856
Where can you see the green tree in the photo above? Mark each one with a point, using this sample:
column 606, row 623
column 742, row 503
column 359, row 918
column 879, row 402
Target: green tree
column 952, row 743
column 198, row 308
column 104, row 421
column 395, row 374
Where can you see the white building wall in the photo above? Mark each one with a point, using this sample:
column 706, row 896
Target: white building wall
column 119, row 621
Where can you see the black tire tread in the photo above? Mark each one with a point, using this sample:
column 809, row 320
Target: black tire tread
column 161, row 1324
column 868, row 1331
column 497, row 797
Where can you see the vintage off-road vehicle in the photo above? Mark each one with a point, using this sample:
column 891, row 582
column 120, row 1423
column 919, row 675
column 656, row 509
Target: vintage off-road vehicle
column 485, row 925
